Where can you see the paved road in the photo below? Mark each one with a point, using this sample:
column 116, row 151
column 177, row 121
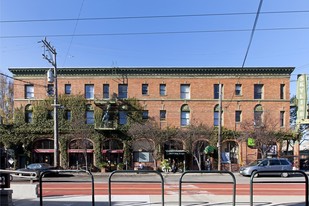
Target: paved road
column 148, row 194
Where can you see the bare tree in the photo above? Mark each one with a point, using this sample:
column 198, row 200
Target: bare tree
column 82, row 133
column 264, row 134
column 146, row 136
column 6, row 100
column 198, row 135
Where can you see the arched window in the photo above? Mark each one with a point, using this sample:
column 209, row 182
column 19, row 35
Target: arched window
column 216, row 115
column 258, row 115
column 185, row 115
column 44, row 144
column 29, row 113
column 80, row 144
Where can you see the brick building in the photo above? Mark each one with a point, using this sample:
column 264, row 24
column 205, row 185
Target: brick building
column 172, row 96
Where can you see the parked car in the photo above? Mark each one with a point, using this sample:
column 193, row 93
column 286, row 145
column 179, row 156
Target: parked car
column 34, row 167
column 270, row 164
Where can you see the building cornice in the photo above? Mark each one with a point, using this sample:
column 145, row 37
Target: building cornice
column 157, row 71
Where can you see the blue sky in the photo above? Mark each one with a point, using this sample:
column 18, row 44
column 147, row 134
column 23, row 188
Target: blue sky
column 155, row 33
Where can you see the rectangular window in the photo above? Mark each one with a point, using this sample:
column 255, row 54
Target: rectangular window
column 162, row 115
column 50, row 89
column 258, row 91
column 216, row 91
column 238, row 89
column 105, row 91
column 142, row 156
column 162, row 89
column 29, row 91
column 185, row 91
column 144, row 89
column 89, row 117
column 237, row 116
column 282, row 91
column 122, row 91
column 282, row 114
column 67, row 88
column 185, row 118
column 68, row 116
column 122, row 117
column 145, row 114
column 89, row 91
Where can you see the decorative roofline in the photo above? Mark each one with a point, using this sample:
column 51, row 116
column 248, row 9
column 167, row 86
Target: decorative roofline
column 156, row 71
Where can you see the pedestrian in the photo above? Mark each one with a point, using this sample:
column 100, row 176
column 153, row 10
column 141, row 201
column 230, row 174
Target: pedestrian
column 208, row 165
column 140, row 166
column 174, row 167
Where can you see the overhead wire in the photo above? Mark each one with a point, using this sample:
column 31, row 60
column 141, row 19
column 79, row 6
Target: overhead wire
column 74, row 31
column 153, row 33
column 149, row 17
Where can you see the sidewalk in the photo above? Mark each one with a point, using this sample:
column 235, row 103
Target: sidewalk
column 24, row 195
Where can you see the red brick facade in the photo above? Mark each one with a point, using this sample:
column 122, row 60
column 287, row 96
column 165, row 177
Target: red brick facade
column 275, row 91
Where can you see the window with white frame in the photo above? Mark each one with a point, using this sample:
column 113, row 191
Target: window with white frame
column 89, row 114
column 185, row 115
column 282, row 91
column 29, row 91
column 282, row 114
column 89, row 91
column 258, row 91
column 145, row 114
column 216, row 116
column 144, row 89
column 162, row 115
column 162, row 89
column 67, row 88
column 238, row 91
column 185, row 91
column 238, row 116
column 28, row 113
column 122, row 91
column 258, row 115
column 50, row 89
column 105, row 91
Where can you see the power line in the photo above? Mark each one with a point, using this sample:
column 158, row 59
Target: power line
column 252, row 32
column 150, row 17
column 154, row 33
column 79, row 13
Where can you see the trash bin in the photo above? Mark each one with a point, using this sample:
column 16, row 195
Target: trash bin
column 5, row 180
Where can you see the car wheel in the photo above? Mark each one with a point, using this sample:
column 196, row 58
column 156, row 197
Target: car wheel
column 284, row 174
column 256, row 175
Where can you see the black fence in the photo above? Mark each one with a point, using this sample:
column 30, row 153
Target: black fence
column 138, row 172
column 62, row 172
column 233, row 182
column 287, row 173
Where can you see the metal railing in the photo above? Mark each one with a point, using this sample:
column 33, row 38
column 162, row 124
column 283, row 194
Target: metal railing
column 210, row 182
column 64, row 171
column 256, row 174
column 137, row 172
column 21, row 174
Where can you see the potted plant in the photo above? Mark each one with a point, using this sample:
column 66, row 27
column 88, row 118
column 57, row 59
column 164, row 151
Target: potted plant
column 103, row 166
column 120, row 166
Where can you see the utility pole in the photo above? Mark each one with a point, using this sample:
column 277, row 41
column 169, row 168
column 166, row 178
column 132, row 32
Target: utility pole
column 52, row 60
column 219, row 127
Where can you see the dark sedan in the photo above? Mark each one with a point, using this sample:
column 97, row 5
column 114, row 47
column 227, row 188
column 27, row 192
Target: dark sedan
column 34, row 169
